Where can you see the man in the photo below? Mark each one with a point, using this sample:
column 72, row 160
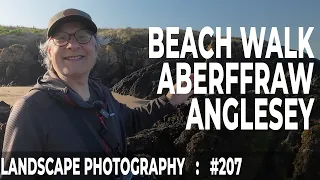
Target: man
column 68, row 111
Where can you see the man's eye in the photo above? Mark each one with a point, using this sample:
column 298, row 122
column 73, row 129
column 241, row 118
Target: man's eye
column 60, row 38
column 83, row 36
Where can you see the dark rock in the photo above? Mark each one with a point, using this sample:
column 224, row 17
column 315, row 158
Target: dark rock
column 18, row 66
column 157, row 141
column 4, row 114
column 266, row 155
column 144, row 82
column 307, row 159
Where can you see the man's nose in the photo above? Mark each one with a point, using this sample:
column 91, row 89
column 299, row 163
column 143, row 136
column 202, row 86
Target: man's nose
column 73, row 43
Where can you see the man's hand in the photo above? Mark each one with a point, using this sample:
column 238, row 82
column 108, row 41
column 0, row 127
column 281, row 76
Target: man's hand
column 177, row 99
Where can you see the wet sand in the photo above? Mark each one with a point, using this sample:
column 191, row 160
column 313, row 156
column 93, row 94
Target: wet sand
column 11, row 94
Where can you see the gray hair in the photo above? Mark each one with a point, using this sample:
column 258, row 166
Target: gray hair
column 46, row 62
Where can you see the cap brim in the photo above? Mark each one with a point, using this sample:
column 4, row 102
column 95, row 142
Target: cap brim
column 89, row 24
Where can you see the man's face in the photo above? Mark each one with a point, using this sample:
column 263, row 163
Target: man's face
column 73, row 59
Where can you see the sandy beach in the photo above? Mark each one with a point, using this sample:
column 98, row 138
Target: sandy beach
column 11, row 94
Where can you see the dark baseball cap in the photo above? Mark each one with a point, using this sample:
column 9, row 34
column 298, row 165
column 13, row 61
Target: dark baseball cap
column 70, row 15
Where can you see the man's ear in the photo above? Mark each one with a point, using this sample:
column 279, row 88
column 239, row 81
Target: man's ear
column 49, row 49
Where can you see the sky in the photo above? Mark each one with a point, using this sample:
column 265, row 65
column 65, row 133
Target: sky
column 178, row 13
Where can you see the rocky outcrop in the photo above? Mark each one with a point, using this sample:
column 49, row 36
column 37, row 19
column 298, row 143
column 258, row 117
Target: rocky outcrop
column 144, row 82
column 266, row 155
column 308, row 156
column 118, row 60
column 21, row 64
column 18, row 66
column 126, row 52
column 280, row 155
